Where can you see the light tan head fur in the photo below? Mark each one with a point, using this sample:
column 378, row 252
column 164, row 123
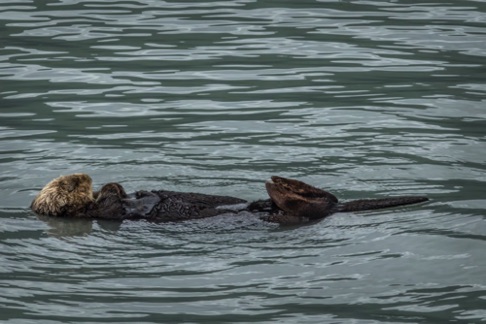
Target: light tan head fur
column 64, row 196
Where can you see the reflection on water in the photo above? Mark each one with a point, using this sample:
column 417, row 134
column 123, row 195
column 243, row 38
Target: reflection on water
column 364, row 98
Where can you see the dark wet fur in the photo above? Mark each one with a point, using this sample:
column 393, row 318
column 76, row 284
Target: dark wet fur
column 291, row 202
column 369, row 204
column 297, row 202
column 112, row 202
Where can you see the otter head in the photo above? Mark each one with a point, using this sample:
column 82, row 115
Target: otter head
column 299, row 199
column 64, row 196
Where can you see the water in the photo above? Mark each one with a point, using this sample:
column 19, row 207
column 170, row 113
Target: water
column 363, row 98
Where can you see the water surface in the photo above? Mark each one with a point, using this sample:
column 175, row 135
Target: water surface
column 363, row 98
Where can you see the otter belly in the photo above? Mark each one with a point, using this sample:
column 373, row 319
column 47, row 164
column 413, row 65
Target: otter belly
column 164, row 206
column 140, row 206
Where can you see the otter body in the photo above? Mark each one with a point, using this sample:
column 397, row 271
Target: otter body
column 157, row 206
column 291, row 202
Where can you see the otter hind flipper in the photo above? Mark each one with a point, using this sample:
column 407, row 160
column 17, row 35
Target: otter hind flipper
column 280, row 185
column 369, row 204
column 298, row 199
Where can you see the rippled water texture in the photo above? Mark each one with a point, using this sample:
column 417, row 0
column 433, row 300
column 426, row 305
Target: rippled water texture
column 363, row 98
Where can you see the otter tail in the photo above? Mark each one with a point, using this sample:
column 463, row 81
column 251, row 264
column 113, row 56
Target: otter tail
column 367, row 204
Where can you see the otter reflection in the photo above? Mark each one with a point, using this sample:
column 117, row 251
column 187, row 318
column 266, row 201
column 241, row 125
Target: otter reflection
column 291, row 202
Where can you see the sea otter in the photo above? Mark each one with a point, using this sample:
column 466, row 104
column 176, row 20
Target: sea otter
column 291, row 202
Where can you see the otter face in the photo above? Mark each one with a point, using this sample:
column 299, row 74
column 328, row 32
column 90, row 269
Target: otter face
column 300, row 199
column 64, row 196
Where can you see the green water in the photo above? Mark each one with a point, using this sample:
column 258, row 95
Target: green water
column 363, row 98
